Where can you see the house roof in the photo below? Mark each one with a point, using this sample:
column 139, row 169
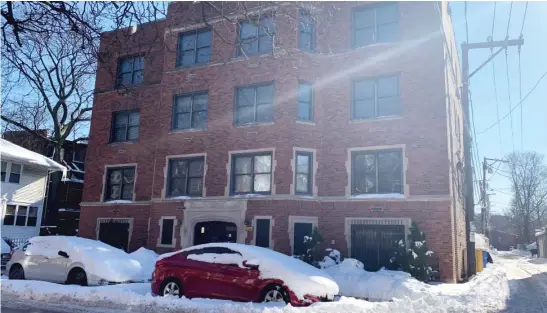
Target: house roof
column 18, row 153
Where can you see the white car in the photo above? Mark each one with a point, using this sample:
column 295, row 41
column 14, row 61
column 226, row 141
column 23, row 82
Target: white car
column 6, row 254
column 74, row 260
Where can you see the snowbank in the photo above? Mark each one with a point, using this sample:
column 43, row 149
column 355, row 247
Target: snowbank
column 482, row 242
column 147, row 259
column 300, row 277
column 99, row 260
column 487, row 292
column 383, row 285
column 13, row 151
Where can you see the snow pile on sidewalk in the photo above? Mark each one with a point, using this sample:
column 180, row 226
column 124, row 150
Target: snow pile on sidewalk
column 147, row 259
column 383, row 285
column 487, row 292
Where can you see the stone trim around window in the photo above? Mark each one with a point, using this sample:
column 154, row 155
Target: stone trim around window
column 181, row 156
column 108, row 166
column 174, row 239
column 314, row 220
column 405, row 221
column 128, row 220
column 263, row 217
column 229, row 168
column 374, row 148
column 315, row 165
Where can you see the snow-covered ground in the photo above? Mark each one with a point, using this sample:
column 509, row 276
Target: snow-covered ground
column 513, row 283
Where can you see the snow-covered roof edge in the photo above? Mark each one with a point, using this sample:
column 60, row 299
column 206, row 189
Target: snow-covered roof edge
column 16, row 152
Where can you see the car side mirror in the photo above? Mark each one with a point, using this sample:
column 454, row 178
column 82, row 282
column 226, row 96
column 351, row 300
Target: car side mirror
column 249, row 265
column 63, row 254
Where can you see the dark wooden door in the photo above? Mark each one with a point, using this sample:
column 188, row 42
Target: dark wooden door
column 301, row 230
column 206, row 232
column 115, row 234
column 373, row 244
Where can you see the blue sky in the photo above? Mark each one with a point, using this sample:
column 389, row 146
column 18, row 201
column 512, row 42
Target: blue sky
column 533, row 58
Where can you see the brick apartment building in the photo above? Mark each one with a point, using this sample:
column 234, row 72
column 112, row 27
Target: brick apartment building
column 341, row 116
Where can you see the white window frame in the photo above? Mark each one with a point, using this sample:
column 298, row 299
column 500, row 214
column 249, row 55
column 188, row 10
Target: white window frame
column 174, row 239
column 8, row 172
column 17, row 205
column 254, row 224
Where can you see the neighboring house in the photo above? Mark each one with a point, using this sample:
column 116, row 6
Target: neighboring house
column 356, row 129
column 541, row 241
column 61, row 213
column 501, row 234
column 24, row 180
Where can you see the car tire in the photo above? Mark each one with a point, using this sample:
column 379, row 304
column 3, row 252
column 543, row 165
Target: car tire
column 171, row 287
column 16, row 272
column 274, row 293
column 77, row 276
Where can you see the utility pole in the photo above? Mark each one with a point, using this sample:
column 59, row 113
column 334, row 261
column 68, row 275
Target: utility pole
column 468, row 170
column 485, row 202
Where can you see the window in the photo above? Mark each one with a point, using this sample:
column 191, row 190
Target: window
column 262, row 232
column 375, row 23
column 256, row 37
column 194, row 47
column 130, row 71
column 167, row 229
column 125, row 126
column 304, row 161
column 254, row 104
column 4, row 169
column 20, row 215
column 9, row 217
column 190, row 111
column 376, row 98
column 186, row 177
column 119, row 183
column 15, row 173
column 377, row 172
column 301, row 231
column 252, row 173
column 304, row 111
column 306, row 35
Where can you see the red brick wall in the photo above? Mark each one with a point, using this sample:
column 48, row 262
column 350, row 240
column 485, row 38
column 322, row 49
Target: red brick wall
column 417, row 57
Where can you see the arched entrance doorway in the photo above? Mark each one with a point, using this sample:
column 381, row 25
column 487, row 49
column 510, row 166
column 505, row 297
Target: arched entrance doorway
column 215, row 231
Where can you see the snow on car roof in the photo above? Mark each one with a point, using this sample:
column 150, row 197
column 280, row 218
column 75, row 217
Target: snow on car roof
column 301, row 278
column 15, row 152
column 96, row 257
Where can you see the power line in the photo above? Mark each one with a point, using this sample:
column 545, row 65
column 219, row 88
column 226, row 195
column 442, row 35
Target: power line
column 509, row 94
column 523, row 99
column 520, row 83
column 493, row 22
column 494, row 78
column 466, row 28
column 509, row 20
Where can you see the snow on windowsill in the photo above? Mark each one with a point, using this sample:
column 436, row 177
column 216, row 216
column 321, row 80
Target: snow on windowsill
column 248, row 195
column 183, row 198
column 120, row 201
column 379, row 196
column 72, row 180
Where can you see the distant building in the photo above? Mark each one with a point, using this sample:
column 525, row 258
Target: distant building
column 541, row 241
column 501, row 233
column 61, row 213
column 24, row 181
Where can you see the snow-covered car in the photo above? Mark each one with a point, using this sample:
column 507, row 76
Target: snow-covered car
column 74, row 260
column 6, row 254
column 240, row 272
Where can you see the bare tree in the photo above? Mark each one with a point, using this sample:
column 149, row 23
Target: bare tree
column 529, row 185
column 51, row 87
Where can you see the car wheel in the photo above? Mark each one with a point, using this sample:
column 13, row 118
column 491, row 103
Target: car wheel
column 171, row 287
column 16, row 272
column 77, row 276
column 275, row 293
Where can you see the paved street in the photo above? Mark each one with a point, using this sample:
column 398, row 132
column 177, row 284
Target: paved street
column 10, row 310
column 528, row 284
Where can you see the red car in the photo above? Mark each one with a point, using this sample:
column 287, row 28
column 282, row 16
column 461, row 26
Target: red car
column 240, row 272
